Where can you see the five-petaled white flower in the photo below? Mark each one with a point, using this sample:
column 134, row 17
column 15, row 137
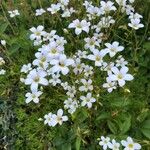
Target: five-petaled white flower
column 36, row 77
column 104, row 142
column 54, row 8
column 37, row 33
column 40, row 11
column 87, row 100
column 135, row 24
column 97, row 56
column 60, row 118
column 80, row 26
column 114, row 145
column 50, row 119
column 120, row 75
column 55, row 79
column 113, row 48
column 107, row 6
column 34, row 96
column 129, row 144
column 61, row 64
column 87, row 85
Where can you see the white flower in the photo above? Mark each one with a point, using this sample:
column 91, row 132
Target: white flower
column 121, row 62
column 104, row 23
column 2, row 72
column 26, row 68
column 71, row 105
column 34, row 78
column 91, row 43
column 129, row 9
column 78, row 66
column 131, row 1
column 87, row 100
column 80, row 26
column 113, row 48
column 65, row 85
column 41, row 61
column 135, row 16
column 121, row 2
column 114, row 145
column 71, row 91
column 81, row 54
column 110, row 86
column 88, row 70
column 107, row 6
column 40, row 11
column 135, row 24
column 52, row 50
column 22, row 80
column 50, row 119
column 120, row 75
column 14, row 13
column 54, row 8
column 68, row 12
column 34, row 96
column 37, row 33
column 87, row 85
column 37, row 42
column 97, row 56
column 60, row 118
column 104, row 142
column 64, row 3
column 129, row 144
column 3, row 42
column 2, row 61
column 55, row 79
column 62, row 64
column 107, row 67
column 50, row 36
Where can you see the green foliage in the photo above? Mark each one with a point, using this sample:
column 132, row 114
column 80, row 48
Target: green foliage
column 122, row 113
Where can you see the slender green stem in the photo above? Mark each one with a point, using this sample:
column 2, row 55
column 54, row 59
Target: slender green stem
column 5, row 16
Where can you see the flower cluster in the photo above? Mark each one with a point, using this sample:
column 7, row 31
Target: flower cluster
column 128, row 144
column 2, row 62
column 54, row 119
column 14, row 13
column 83, row 68
column 132, row 15
column 62, row 6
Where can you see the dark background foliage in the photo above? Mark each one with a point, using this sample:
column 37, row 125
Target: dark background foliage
column 124, row 112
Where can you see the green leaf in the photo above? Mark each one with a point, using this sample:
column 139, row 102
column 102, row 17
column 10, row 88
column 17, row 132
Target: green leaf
column 78, row 143
column 146, row 128
column 126, row 125
column 103, row 115
column 66, row 146
column 3, row 26
column 112, row 126
column 120, row 102
column 146, row 45
column 13, row 49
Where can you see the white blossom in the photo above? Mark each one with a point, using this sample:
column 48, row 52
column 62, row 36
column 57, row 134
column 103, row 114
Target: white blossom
column 129, row 144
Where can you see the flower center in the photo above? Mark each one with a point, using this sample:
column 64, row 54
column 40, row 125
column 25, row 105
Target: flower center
column 79, row 26
column 53, row 51
column 38, row 33
column 59, row 119
column 98, row 58
column 36, row 79
column 113, row 49
column 61, row 64
column 130, row 145
column 119, row 76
